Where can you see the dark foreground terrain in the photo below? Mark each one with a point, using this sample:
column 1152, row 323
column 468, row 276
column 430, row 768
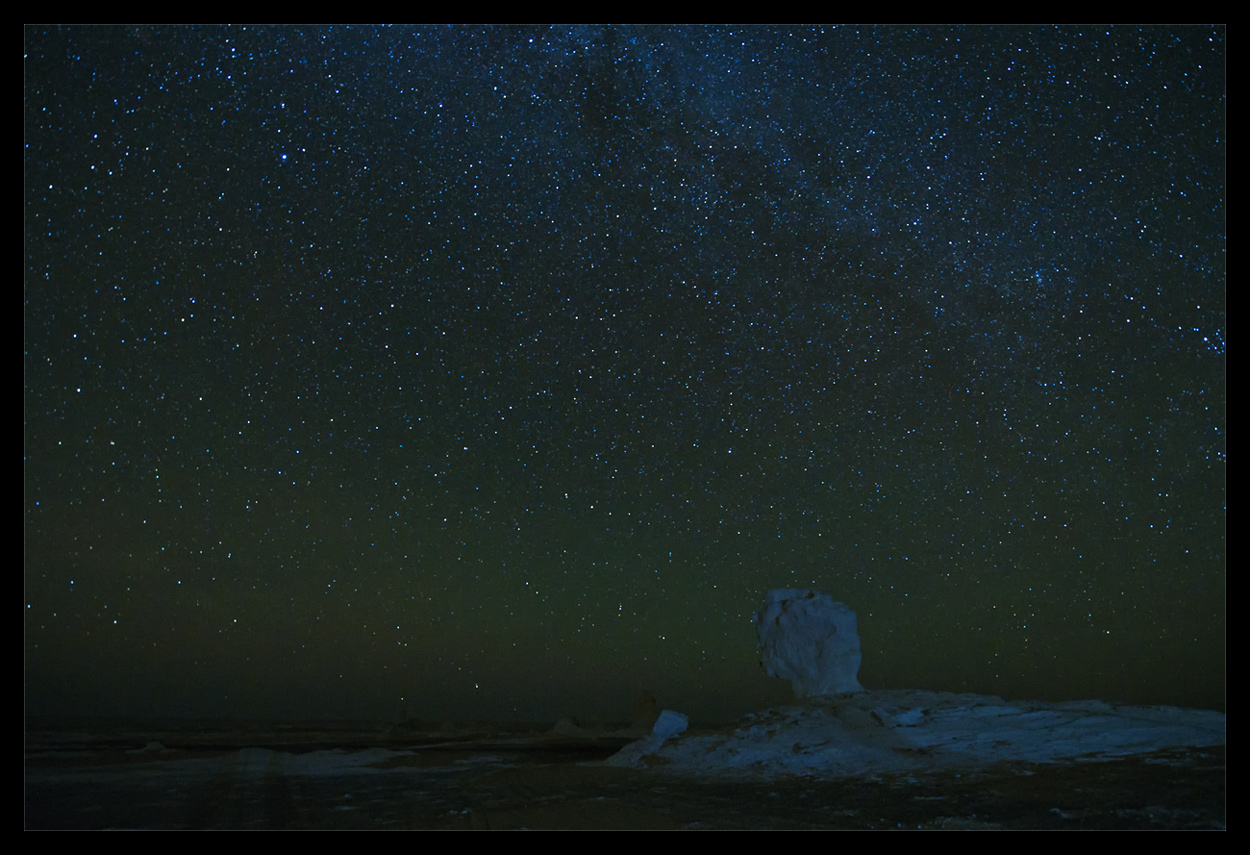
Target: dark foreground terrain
column 344, row 780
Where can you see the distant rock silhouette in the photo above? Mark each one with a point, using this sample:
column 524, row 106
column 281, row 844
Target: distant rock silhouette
column 646, row 710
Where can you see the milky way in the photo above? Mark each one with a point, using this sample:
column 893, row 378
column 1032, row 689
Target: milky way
column 502, row 371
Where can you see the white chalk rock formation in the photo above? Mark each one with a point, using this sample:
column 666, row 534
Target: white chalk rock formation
column 905, row 730
column 669, row 724
column 811, row 640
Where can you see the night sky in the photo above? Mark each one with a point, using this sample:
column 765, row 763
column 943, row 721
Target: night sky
column 499, row 372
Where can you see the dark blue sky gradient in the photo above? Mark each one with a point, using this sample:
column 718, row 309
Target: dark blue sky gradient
column 501, row 371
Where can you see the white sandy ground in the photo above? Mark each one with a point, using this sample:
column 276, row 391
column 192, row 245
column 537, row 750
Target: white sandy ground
column 876, row 732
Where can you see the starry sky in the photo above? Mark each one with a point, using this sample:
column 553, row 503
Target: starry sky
column 499, row 372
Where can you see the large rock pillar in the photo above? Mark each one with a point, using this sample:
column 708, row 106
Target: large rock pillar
column 811, row 640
